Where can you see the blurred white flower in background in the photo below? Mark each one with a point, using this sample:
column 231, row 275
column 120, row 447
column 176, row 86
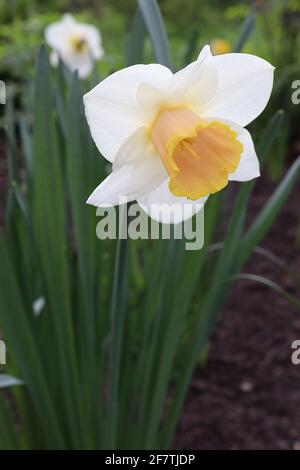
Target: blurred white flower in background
column 78, row 45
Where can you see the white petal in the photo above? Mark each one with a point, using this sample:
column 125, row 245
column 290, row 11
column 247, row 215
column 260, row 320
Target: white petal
column 192, row 86
column 245, row 85
column 111, row 107
column 57, row 34
column 249, row 165
column 9, row 381
column 137, row 170
column 54, row 58
column 111, row 191
column 198, row 82
column 83, row 63
column 162, row 206
column 68, row 19
column 85, row 67
column 93, row 38
column 38, row 306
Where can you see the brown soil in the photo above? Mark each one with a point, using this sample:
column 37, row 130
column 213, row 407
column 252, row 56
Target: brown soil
column 248, row 394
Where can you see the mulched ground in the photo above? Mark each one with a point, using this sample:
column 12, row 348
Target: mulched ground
column 248, row 395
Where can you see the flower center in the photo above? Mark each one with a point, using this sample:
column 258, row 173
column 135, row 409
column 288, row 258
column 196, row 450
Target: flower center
column 198, row 154
column 78, row 43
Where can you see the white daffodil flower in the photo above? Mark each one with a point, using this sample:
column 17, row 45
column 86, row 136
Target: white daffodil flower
column 77, row 44
column 177, row 138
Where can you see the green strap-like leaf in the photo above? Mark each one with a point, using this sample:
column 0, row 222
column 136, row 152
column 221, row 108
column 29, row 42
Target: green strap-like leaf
column 135, row 42
column 14, row 322
column 269, row 212
column 247, row 29
column 117, row 317
column 271, row 284
column 157, row 32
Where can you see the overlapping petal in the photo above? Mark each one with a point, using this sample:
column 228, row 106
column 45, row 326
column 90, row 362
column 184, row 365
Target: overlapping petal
column 248, row 168
column 136, row 171
column 199, row 81
column 245, row 85
column 196, row 83
column 111, row 107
